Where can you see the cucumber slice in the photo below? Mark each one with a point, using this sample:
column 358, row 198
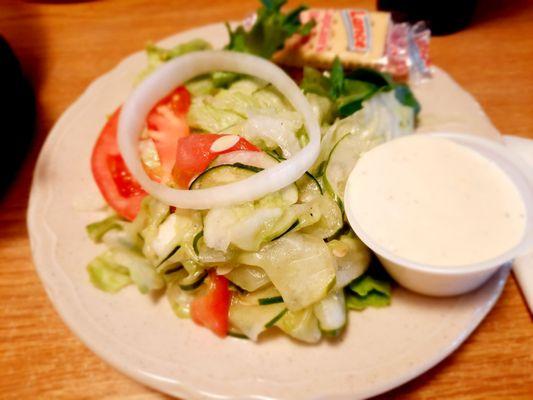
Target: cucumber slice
column 249, row 317
column 142, row 272
column 238, row 335
column 252, row 298
column 193, row 281
column 294, row 218
column 341, row 161
column 352, row 256
column 301, row 325
column 330, row 221
column 256, row 159
column 331, row 311
column 248, row 277
column 308, row 187
column 174, row 250
column 222, row 175
column 179, row 300
column 273, row 321
column 270, row 300
column 198, row 236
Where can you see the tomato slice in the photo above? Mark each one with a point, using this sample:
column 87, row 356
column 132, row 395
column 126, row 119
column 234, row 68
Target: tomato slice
column 194, row 155
column 212, row 309
column 120, row 190
column 166, row 123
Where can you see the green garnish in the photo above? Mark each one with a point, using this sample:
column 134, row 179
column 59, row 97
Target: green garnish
column 270, row 31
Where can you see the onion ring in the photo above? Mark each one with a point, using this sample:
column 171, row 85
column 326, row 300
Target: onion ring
column 180, row 70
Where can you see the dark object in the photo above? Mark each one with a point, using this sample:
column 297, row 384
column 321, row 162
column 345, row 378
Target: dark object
column 17, row 115
column 442, row 16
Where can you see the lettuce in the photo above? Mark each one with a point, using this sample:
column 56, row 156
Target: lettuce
column 97, row 230
column 107, row 275
column 159, row 55
column 270, row 30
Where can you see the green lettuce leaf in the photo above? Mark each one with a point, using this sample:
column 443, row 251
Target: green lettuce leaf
column 107, row 275
column 159, row 55
column 348, row 90
column 270, row 30
column 98, row 229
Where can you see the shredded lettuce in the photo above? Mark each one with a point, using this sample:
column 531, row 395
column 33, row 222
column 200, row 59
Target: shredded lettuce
column 159, row 55
column 107, row 275
column 97, row 230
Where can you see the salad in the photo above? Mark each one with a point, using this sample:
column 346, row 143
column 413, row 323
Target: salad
column 287, row 260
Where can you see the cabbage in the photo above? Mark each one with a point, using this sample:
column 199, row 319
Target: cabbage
column 352, row 257
column 251, row 318
column 158, row 55
column 331, row 311
column 299, row 265
column 180, row 300
column 107, row 275
column 205, row 117
column 301, row 325
column 97, row 230
column 330, row 221
column 322, row 107
column 141, row 271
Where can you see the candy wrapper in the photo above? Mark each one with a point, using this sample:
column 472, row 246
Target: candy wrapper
column 361, row 38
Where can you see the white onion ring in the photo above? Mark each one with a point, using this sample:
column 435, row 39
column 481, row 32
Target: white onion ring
column 177, row 71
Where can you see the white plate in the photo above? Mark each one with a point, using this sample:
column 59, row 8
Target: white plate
column 141, row 337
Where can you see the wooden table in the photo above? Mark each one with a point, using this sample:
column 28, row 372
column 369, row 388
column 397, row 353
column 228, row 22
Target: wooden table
column 65, row 45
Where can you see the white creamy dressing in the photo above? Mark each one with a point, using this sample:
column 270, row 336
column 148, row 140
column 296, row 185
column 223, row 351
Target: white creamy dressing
column 435, row 202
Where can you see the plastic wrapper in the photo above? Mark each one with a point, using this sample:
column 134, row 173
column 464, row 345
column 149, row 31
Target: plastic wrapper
column 361, row 38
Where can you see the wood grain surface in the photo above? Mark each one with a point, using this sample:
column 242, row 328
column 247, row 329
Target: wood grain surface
column 65, row 45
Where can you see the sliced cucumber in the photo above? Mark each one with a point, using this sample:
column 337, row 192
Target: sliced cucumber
column 198, row 236
column 142, row 272
column 253, row 298
column 331, row 311
column 179, row 300
column 249, row 232
column 330, row 221
column 238, row 335
column 308, row 187
column 301, row 325
column 222, row 175
column 352, row 257
column 265, row 301
column 289, row 229
column 97, row 230
column 248, row 277
column 256, row 159
column 294, row 218
column 341, row 161
column 194, row 280
column 174, row 250
column 273, row 321
column 249, row 317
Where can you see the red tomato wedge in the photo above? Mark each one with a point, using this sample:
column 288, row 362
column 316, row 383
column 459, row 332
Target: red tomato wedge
column 166, row 123
column 194, row 155
column 212, row 309
column 120, row 190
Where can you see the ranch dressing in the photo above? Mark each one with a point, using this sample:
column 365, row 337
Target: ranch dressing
column 435, row 202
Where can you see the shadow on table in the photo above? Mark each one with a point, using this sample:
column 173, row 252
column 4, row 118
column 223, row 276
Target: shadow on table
column 21, row 71
column 487, row 10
